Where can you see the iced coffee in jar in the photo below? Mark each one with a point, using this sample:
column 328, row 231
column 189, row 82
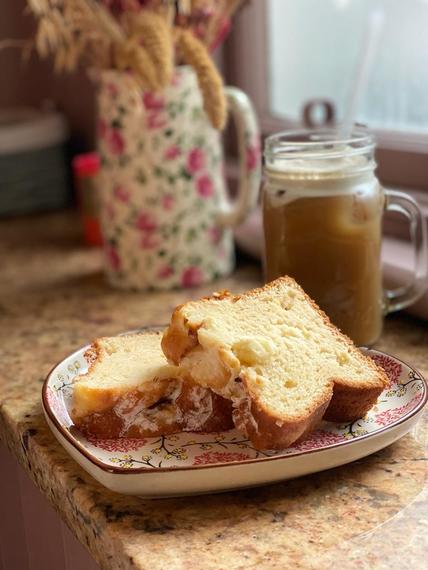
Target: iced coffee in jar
column 322, row 214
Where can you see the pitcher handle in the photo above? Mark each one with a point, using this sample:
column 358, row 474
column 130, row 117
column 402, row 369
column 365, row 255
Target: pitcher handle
column 402, row 297
column 232, row 213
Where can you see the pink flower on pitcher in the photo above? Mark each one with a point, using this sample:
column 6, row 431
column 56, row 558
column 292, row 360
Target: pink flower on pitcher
column 172, row 152
column 101, row 128
column 112, row 90
column 168, row 202
column 155, row 121
column 115, row 142
column 176, row 79
column 191, row 277
column 149, row 241
column 112, row 257
column 205, row 186
column 221, row 252
column 145, row 222
column 195, row 160
column 253, row 156
column 153, row 102
column 110, row 211
column 165, row 271
column 121, row 194
column 215, row 234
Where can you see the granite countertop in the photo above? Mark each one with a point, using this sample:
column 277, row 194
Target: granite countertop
column 371, row 514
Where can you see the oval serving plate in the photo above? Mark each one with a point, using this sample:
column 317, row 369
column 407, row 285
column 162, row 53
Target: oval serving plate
column 190, row 463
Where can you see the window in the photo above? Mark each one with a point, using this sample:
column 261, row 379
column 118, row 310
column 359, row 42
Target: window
column 314, row 48
column 285, row 53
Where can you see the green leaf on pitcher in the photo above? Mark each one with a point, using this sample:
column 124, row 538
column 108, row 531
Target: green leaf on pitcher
column 116, row 124
column 141, row 176
column 122, row 110
column 185, row 174
column 191, row 234
column 197, row 114
column 199, row 141
column 158, row 172
column 172, row 106
column 156, row 142
column 169, row 132
column 123, row 160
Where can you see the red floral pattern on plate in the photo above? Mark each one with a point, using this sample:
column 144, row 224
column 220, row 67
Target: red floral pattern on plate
column 119, row 445
column 55, row 403
column 219, row 457
column 319, row 438
column 392, row 415
column 392, row 367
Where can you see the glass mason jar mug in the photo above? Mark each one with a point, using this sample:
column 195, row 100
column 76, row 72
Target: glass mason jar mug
column 322, row 214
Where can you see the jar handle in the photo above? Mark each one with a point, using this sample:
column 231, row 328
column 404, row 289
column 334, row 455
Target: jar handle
column 402, row 297
column 233, row 213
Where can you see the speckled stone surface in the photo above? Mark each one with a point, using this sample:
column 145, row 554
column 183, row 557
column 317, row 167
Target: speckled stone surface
column 371, row 514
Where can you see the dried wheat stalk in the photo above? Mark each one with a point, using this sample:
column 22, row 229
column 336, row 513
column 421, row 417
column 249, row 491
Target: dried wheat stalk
column 194, row 53
column 131, row 56
column 140, row 42
column 70, row 30
column 151, row 31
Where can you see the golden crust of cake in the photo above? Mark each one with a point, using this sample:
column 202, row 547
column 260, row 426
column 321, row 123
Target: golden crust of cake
column 131, row 391
column 193, row 409
column 277, row 356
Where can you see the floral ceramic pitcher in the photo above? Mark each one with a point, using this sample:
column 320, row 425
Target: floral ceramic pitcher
column 166, row 217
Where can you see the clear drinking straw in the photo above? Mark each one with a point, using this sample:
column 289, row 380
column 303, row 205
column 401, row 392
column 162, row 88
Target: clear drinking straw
column 367, row 55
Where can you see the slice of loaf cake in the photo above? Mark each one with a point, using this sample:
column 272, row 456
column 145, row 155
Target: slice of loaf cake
column 277, row 356
column 131, row 391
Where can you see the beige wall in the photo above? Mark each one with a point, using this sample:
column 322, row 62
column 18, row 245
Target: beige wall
column 34, row 82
